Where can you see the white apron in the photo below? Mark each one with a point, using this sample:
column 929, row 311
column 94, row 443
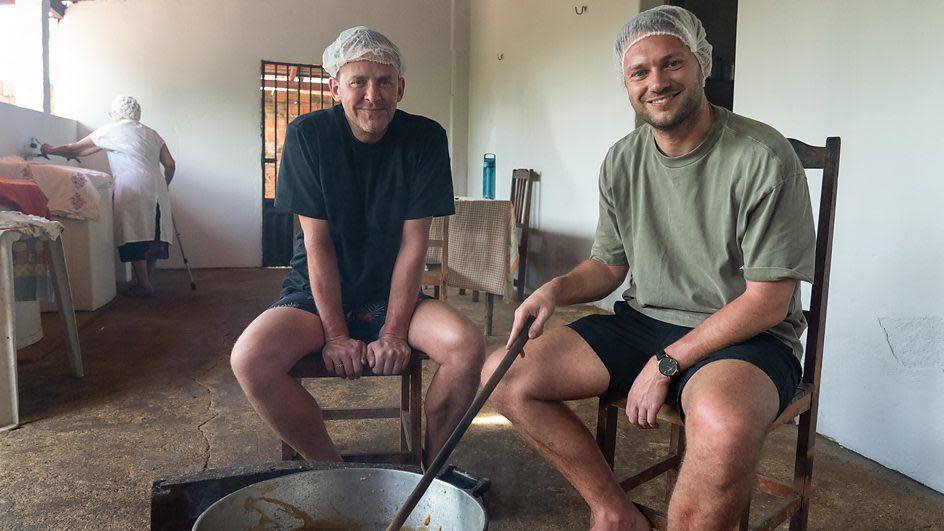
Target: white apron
column 134, row 152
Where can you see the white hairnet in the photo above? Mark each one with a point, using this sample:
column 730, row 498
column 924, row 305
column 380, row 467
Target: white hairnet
column 126, row 107
column 361, row 43
column 666, row 20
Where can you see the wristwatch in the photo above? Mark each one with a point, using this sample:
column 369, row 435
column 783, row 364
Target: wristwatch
column 667, row 365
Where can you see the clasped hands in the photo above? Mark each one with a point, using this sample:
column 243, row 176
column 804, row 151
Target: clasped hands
column 347, row 357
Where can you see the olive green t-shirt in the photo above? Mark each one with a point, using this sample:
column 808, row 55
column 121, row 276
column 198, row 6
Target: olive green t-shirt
column 693, row 229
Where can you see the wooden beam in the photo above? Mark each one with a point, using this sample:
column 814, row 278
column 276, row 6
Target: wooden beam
column 630, row 482
column 360, row 413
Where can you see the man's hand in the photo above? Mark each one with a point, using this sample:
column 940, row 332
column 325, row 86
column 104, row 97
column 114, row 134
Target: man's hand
column 345, row 356
column 647, row 395
column 388, row 355
column 45, row 149
column 541, row 304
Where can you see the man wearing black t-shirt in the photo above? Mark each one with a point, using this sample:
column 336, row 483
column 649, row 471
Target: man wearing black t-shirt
column 365, row 180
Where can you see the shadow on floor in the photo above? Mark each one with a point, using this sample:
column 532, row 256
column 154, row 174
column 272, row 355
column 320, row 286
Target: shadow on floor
column 159, row 400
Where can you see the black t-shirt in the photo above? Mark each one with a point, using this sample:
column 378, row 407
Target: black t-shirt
column 364, row 191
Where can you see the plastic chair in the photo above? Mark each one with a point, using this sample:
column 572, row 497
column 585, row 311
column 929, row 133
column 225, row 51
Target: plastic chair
column 9, row 399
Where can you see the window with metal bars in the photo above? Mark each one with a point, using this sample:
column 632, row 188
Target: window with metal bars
column 288, row 90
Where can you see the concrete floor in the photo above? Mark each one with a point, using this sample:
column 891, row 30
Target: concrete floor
column 159, row 400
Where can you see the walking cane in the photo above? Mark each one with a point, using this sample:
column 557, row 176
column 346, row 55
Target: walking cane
column 193, row 285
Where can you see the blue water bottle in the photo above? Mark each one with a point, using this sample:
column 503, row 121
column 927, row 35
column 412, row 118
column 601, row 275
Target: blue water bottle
column 488, row 176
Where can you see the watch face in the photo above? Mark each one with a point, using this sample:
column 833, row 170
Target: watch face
column 668, row 366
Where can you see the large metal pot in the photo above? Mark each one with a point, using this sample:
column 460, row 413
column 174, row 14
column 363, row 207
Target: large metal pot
column 343, row 498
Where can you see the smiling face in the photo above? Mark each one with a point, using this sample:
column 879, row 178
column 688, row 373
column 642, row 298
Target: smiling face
column 664, row 82
column 369, row 93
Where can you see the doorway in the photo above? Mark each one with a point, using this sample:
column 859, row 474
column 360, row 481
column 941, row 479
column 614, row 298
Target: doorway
column 720, row 20
column 287, row 90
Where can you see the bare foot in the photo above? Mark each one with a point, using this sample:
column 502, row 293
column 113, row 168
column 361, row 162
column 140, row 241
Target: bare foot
column 628, row 520
column 141, row 292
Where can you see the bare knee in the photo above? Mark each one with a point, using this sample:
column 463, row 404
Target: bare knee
column 723, row 424
column 724, row 438
column 511, row 391
column 464, row 346
column 241, row 357
column 250, row 361
column 490, row 365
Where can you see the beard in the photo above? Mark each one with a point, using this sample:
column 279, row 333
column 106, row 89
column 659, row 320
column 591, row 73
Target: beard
column 686, row 110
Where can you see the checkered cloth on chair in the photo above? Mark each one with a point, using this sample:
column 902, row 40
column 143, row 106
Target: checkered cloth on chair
column 479, row 240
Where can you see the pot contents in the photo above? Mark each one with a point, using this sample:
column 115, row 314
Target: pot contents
column 310, row 523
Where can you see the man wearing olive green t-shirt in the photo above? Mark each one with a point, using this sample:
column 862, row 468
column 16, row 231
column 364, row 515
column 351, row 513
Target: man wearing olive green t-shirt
column 709, row 214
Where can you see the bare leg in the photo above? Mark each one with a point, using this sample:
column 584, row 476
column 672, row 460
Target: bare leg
column 261, row 360
column 143, row 280
column 457, row 345
column 151, row 262
column 729, row 404
column 561, row 366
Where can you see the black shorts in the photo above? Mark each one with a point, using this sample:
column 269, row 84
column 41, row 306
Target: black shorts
column 364, row 321
column 627, row 340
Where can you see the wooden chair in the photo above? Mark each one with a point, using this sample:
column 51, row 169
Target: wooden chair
column 435, row 273
column 409, row 412
column 793, row 501
column 521, row 181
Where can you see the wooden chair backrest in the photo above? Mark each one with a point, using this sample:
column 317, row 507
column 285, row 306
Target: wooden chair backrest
column 826, row 159
column 521, row 180
column 439, row 240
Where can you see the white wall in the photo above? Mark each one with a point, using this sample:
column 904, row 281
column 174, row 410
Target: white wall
column 17, row 125
column 552, row 103
column 872, row 73
column 194, row 66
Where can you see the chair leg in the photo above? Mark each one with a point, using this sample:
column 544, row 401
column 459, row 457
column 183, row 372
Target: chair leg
column 436, row 292
column 475, row 296
column 416, row 411
column 405, row 413
column 607, row 416
column 677, row 447
column 521, row 275
column 803, row 467
column 60, row 278
column 489, row 312
column 9, row 398
column 289, row 453
column 744, row 523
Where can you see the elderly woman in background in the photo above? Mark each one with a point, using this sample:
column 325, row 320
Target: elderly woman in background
column 142, row 201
